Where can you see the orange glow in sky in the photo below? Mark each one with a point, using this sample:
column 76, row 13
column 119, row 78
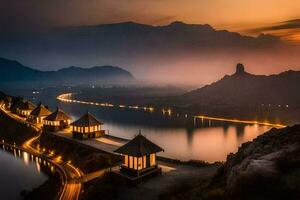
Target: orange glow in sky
column 233, row 15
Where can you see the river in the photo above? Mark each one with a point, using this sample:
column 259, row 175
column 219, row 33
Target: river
column 182, row 138
column 18, row 173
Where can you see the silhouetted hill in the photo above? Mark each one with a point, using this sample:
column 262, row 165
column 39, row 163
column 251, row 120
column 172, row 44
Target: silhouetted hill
column 13, row 72
column 242, row 88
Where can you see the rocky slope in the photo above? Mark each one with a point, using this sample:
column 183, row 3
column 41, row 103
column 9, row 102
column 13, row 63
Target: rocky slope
column 268, row 168
column 243, row 88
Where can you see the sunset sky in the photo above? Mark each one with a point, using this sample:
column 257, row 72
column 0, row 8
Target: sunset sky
column 51, row 50
column 279, row 17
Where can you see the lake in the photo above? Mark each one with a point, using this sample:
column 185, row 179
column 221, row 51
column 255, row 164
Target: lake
column 181, row 138
column 18, row 173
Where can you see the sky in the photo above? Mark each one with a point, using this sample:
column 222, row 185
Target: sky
column 248, row 17
column 252, row 17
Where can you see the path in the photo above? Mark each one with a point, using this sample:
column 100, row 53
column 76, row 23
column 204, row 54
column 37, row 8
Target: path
column 71, row 188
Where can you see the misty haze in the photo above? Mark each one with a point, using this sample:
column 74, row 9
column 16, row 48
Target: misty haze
column 153, row 100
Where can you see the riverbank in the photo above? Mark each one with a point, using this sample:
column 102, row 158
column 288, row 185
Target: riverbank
column 69, row 189
column 85, row 157
column 264, row 169
column 175, row 173
column 14, row 131
column 51, row 187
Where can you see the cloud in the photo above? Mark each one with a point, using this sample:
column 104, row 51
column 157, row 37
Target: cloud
column 285, row 25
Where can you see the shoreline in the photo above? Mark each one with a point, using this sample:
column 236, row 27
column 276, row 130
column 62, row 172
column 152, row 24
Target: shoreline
column 66, row 170
column 66, row 97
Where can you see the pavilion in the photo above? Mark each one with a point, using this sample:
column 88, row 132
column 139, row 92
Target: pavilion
column 56, row 121
column 38, row 114
column 25, row 108
column 139, row 157
column 7, row 102
column 87, row 127
column 16, row 105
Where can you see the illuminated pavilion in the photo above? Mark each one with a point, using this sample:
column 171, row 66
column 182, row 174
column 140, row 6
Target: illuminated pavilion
column 139, row 157
column 2, row 103
column 25, row 108
column 38, row 114
column 87, row 127
column 56, row 121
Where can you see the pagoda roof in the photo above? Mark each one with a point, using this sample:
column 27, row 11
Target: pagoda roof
column 139, row 146
column 39, row 111
column 58, row 115
column 27, row 105
column 87, row 120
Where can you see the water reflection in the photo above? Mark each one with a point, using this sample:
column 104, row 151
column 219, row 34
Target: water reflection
column 183, row 138
column 30, row 160
column 19, row 173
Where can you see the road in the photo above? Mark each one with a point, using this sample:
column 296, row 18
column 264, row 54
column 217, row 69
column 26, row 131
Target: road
column 71, row 187
column 71, row 176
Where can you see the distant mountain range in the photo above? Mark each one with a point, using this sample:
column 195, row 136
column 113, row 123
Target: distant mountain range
column 143, row 49
column 243, row 88
column 13, row 72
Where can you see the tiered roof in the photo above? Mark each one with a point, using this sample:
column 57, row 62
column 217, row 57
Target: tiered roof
column 87, row 120
column 27, row 105
column 39, row 111
column 58, row 115
column 139, row 146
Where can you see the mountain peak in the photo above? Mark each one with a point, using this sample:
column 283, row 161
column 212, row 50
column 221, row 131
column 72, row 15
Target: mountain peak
column 177, row 23
column 240, row 69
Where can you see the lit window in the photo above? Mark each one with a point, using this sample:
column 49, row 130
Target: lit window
column 152, row 159
column 126, row 160
column 144, row 161
column 130, row 162
column 135, row 163
column 140, row 163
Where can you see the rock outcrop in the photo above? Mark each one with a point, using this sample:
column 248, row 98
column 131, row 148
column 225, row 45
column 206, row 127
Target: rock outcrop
column 266, row 168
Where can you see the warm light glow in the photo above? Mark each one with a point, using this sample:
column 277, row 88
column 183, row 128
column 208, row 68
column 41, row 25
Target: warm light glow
column 66, row 98
column 241, row 121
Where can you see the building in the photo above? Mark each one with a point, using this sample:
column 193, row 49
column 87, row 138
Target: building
column 38, row 114
column 139, row 157
column 25, row 108
column 87, row 127
column 7, row 102
column 2, row 103
column 56, row 121
column 16, row 105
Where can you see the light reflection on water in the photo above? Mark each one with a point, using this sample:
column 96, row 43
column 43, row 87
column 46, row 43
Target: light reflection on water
column 19, row 171
column 182, row 138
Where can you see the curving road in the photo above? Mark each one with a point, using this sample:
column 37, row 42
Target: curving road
column 67, row 98
column 71, row 176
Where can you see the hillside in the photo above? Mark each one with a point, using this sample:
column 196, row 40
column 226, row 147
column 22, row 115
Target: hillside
column 242, row 88
column 268, row 168
column 14, row 72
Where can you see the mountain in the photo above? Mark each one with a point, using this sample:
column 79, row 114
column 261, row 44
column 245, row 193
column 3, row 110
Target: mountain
column 243, row 88
column 13, row 72
column 154, row 49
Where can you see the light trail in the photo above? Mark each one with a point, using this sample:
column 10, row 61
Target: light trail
column 71, row 188
column 241, row 121
column 66, row 97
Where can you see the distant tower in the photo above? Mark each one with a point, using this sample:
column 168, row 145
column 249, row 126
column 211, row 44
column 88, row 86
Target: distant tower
column 240, row 69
